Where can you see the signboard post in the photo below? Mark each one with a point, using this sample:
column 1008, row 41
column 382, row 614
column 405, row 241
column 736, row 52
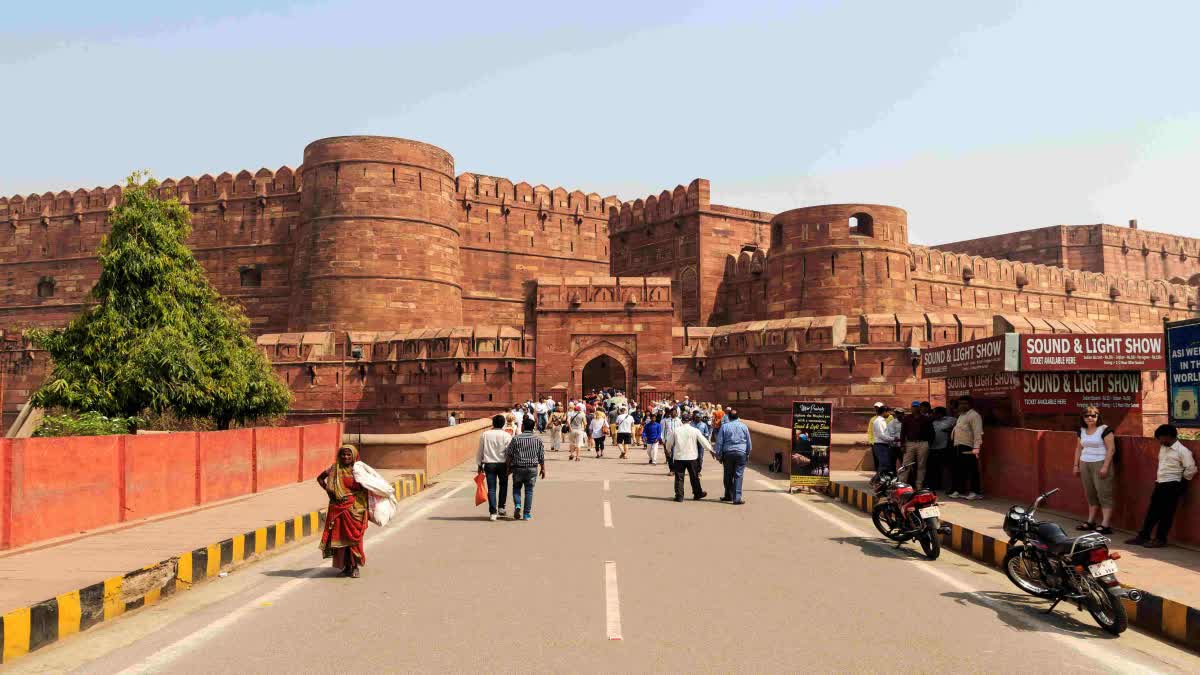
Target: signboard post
column 812, row 427
column 1183, row 372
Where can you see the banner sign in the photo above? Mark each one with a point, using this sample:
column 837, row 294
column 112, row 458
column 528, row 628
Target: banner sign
column 1183, row 372
column 810, row 456
column 987, row 386
column 1058, row 393
column 989, row 355
column 1116, row 351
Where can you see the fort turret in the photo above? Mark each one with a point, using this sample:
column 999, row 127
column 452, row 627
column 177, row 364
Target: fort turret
column 378, row 241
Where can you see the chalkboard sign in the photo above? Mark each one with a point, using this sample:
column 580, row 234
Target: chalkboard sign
column 812, row 426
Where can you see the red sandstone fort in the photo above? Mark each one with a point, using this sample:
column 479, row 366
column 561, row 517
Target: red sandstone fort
column 380, row 282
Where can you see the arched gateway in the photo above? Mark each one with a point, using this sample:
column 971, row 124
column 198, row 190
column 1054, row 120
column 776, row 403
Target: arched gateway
column 604, row 371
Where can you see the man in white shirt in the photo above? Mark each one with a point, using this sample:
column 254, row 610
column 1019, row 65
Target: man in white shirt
column 490, row 458
column 881, row 438
column 670, row 423
column 541, row 411
column 685, row 449
column 624, row 431
column 1175, row 465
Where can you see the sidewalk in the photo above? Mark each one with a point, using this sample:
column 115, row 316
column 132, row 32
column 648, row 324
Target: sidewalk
column 43, row 570
column 1172, row 572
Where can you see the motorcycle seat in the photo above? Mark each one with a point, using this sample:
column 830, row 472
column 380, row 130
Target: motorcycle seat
column 1054, row 537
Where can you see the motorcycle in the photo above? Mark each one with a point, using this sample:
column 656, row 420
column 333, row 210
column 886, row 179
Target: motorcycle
column 1046, row 562
column 903, row 514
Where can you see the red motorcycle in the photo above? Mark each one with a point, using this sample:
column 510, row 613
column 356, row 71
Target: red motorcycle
column 903, row 514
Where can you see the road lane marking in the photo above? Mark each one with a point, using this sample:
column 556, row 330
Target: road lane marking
column 1108, row 658
column 607, row 513
column 612, row 600
column 193, row 641
column 606, row 485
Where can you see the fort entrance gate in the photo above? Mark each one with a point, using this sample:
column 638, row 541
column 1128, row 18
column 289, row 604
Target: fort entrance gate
column 604, row 371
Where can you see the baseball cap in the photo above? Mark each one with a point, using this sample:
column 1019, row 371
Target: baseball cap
column 879, row 404
column 916, row 404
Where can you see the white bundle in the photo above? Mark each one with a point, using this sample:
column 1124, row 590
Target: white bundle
column 381, row 496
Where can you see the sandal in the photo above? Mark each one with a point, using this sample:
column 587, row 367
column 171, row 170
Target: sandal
column 1085, row 527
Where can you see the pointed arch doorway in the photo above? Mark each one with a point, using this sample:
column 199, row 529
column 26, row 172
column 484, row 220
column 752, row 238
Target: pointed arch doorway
column 604, row 371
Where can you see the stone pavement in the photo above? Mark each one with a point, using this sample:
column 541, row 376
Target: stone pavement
column 1170, row 572
column 40, row 571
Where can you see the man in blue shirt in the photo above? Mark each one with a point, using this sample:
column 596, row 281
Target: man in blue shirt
column 733, row 451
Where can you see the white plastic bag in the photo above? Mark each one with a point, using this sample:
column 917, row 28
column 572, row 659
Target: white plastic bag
column 381, row 496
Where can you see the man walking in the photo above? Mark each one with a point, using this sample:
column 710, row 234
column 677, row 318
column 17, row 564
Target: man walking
column 670, row 422
column 733, row 451
column 526, row 457
column 543, row 414
column 652, row 436
column 686, row 448
column 490, row 458
column 967, row 438
column 624, row 431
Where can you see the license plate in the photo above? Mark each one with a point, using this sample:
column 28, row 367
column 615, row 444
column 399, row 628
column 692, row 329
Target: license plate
column 930, row 512
column 1103, row 569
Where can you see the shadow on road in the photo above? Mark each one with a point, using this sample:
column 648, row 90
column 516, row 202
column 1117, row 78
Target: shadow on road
column 710, row 499
column 302, row 573
column 484, row 517
column 1027, row 613
column 878, row 548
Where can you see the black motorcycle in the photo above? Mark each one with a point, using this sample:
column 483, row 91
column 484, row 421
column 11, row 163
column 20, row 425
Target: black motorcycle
column 1046, row 562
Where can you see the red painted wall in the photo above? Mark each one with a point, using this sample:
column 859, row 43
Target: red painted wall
column 51, row 487
column 276, row 456
column 226, row 464
column 320, row 444
column 63, row 485
column 160, row 474
column 1022, row 463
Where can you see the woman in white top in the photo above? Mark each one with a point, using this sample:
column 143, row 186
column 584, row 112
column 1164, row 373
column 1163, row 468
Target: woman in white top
column 599, row 431
column 577, row 423
column 1094, row 463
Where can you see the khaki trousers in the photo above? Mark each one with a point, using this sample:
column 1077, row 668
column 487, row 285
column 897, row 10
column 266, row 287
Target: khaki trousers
column 916, row 451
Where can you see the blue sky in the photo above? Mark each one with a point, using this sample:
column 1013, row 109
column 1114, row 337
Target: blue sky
column 977, row 117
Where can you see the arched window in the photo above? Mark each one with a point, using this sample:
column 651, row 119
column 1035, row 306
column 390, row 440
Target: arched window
column 862, row 225
column 45, row 287
column 251, row 276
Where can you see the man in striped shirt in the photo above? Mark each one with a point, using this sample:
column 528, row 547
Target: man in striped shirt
column 526, row 457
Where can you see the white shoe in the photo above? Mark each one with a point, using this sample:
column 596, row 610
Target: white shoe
column 954, row 495
column 973, row 497
column 492, row 517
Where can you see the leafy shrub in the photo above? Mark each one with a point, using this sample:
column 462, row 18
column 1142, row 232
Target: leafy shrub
column 85, row 424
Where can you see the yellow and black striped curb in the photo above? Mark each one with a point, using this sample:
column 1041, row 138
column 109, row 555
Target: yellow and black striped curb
column 30, row 628
column 1154, row 614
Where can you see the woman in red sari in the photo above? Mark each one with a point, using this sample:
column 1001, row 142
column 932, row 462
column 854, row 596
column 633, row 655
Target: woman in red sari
column 346, row 519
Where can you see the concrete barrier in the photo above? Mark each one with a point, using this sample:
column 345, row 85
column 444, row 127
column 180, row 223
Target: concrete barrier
column 849, row 452
column 434, row 452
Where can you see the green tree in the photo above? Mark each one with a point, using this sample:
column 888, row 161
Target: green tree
column 159, row 338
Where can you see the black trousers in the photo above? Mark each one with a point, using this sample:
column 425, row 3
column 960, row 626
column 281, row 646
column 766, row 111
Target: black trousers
column 967, row 470
column 941, row 469
column 692, row 467
column 1163, row 501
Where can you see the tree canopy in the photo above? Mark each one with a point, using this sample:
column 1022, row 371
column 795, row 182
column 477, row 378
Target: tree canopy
column 160, row 338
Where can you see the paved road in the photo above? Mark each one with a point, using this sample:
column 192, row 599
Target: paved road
column 784, row 583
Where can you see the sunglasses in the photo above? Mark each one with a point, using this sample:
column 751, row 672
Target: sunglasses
column 1091, row 415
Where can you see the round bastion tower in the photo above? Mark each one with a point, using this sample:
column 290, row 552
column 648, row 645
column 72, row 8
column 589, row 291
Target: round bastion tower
column 839, row 259
column 378, row 241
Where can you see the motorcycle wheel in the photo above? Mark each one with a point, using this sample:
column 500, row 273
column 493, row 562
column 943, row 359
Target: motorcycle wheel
column 931, row 541
column 884, row 516
column 1106, row 608
column 1023, row 575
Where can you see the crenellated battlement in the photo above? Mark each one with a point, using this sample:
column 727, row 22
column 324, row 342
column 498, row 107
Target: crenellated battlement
column 667, row 205
column 471, row 187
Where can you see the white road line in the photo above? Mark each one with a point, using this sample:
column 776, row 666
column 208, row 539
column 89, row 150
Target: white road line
column 1108, row 658
column 606, row 485
column 190, row 643
column 612, row 600
column 607, row 513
